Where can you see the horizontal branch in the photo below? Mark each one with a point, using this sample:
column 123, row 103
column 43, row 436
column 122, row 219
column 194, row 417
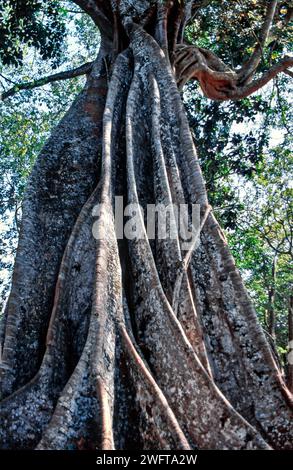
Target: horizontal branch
column 82, row 70
column 282, row 66
column 218, row 81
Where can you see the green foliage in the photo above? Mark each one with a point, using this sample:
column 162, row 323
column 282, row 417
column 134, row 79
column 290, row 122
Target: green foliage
column 24, row 126
column 231, row 30
column 26, row 121
column 264, row 238
column 40, row 24
column 245, row 150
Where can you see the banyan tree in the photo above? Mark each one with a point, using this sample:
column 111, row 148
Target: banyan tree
column 118, row 343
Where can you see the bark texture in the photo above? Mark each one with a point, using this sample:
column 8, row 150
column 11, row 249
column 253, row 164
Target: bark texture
column 131, row 344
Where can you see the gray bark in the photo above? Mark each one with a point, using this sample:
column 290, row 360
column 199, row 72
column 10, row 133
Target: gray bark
column 290, row 341
column 123, row 344
column 61, row 181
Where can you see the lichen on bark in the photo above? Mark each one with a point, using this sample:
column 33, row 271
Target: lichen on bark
column 97, row 349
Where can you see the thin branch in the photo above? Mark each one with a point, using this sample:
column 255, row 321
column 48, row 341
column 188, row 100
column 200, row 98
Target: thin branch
column 288, row 72
column 281, row 66
column 251, row 65
column 198, row 5
column 7, row 79
column 82, row 70
column 279, row 102
column 190, row 10
column 76, row 12
column 284, row 24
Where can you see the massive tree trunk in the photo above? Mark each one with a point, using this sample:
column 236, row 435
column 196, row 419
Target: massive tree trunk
column 120, row 344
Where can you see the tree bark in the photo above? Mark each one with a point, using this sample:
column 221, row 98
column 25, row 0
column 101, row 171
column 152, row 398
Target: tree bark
column 290, row 342
column 126, row 343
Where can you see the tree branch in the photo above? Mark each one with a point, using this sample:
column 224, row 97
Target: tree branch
column 7, row 79
column 288, row 72
column 216, row 79
column 282, row 66
column 97, row 14
column 198, row 5
column 251, row 65
column 82, row 70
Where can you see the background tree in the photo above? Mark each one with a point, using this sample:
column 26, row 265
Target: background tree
column 101, row 354
column 264, row 249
